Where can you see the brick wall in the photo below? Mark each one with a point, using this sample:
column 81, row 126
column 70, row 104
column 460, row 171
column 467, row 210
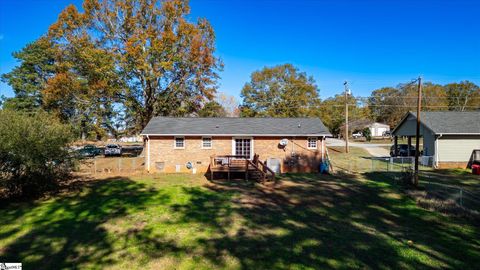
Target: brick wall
column 295, row 157
column 452, row 165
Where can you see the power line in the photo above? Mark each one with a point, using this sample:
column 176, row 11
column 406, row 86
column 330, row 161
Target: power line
column 373, row 105
column 412, row 98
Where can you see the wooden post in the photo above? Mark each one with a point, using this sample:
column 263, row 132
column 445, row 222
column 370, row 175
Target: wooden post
column 228, row 170
column 346, row 117
column 395, row 145
column 212, row 160
column 409, row 140
column 417, row 143
column 322, row 151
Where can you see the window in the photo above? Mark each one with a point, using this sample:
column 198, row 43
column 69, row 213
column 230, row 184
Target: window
column 179, row 143
column 206, row 143
column 243, row 147
column 312, row 143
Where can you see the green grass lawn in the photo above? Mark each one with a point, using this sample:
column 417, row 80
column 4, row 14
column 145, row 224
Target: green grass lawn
column 185, row 222
column 357, row 160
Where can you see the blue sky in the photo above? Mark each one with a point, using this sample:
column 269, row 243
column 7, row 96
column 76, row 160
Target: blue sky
column 369, row 43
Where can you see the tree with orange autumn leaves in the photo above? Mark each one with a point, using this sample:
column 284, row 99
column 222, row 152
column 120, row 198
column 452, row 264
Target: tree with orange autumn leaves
column 141, row 57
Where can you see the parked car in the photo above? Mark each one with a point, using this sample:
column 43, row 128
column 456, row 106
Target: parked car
column 89, row 150
column 357, row 135
column 402, row 150
column 387, row 134
column 113, row 150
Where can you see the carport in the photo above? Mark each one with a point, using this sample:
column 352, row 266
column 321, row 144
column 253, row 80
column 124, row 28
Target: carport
column 448, row 137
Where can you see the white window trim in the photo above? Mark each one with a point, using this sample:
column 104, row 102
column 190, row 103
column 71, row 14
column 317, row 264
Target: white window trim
column 175, row 142
column 316, row 142
column 211, row 142
column 251, row 145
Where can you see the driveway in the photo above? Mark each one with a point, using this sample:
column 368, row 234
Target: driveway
column 375, row 149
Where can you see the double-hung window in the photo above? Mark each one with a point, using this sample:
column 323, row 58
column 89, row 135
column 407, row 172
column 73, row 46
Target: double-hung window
column 179, row 143
column 206, row 143
column 312, row 143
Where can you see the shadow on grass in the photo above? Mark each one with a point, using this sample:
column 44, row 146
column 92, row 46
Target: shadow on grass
column 303, row 221
column 66, row 232
column 312, row 221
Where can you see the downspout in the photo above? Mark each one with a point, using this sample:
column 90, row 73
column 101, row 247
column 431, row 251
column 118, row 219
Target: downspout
column 148, row 154
column 323, row 148
column 436, row 150
column 293, row 147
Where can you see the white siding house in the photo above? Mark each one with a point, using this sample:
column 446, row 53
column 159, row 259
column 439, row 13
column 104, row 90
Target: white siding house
column 378, row 129
column 448, row 137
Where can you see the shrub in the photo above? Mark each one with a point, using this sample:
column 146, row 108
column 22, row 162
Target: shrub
column 34, row 153
column 368, row 135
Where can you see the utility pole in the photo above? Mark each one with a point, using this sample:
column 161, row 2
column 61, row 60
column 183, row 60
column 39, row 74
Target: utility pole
column 417, row 142
column 346, row 115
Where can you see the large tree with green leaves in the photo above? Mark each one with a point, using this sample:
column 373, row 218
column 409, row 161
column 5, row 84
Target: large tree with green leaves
column 463, row 96
column 75, row 80
column 280, row 91
column 332, row 112
column 30, row 77
column 212, row 109
column 389, row 104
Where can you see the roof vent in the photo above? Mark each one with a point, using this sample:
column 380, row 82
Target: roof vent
column 216, row 126
column 299, row 126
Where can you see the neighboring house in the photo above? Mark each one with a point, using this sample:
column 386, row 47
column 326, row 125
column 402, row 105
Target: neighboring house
column 376, row 129
column 449, row 137
column 187, row 144
column 131, row 139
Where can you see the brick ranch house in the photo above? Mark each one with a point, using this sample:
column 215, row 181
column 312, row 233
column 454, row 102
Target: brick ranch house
column 192, row 144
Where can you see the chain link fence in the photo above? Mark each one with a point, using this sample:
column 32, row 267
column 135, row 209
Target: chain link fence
column 449, row 191
column 450, row 195
column 454, row 192
column 355, row 164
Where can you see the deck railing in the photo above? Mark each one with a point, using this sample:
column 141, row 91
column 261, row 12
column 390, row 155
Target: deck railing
column 228, row 163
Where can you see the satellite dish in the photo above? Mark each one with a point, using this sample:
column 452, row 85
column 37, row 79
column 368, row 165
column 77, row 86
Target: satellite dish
column 283, row 142
column 189, row 165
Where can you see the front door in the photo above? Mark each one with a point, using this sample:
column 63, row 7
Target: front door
column 243, row 147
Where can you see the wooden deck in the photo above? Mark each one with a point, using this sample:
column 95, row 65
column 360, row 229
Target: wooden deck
column 255, row 169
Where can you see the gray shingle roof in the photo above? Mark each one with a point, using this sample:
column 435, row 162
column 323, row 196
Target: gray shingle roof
column 235, row 126
column 451, row 122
